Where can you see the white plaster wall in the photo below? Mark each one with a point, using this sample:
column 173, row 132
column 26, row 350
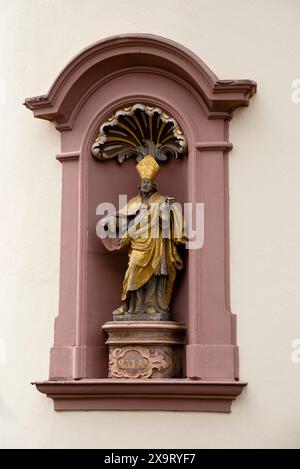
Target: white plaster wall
column 237, row 39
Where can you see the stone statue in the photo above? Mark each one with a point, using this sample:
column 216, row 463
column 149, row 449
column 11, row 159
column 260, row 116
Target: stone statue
column 152, row 226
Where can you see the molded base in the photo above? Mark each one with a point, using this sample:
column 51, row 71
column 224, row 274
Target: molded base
column 145, row 349
column 142, row 394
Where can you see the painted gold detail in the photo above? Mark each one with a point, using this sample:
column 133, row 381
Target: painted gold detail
column 137, row 131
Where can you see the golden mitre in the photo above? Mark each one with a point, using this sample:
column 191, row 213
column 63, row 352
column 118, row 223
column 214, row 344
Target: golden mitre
column 148, row 168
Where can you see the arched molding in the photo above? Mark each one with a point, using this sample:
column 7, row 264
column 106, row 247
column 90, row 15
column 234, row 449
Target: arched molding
column 117, row 55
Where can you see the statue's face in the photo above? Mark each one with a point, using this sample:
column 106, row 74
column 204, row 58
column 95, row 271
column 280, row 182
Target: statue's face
column 146, row 187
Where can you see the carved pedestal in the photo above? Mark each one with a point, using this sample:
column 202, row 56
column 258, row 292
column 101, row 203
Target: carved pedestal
column 145, row 349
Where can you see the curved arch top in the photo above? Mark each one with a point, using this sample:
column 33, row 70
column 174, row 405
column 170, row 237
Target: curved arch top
column 124, row 53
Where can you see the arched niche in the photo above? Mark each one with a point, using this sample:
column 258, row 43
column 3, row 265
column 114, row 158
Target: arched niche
column 107, row 76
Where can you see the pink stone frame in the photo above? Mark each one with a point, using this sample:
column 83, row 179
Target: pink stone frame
column 122, row 70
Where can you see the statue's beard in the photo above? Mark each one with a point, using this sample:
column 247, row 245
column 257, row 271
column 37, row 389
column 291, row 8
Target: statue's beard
column 146, row 193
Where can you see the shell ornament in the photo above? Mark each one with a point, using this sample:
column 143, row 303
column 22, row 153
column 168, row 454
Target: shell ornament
column 137, row 131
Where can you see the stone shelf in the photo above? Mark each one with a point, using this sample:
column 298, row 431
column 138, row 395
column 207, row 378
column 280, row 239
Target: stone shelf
column 142, row 394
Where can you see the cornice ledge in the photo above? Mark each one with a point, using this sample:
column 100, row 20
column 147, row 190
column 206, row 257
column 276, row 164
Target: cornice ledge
column 248, row 86
column 230, row 94
column 214, row 146
column 37, row 102
column 68, row 156
column 129, row 394
column 42, row 107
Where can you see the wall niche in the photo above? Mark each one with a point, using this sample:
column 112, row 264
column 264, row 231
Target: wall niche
column 112, row 76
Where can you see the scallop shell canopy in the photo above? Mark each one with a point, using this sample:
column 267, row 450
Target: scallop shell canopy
column 137, row 131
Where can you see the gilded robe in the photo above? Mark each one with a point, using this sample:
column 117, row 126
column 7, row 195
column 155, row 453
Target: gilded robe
column 152, row 235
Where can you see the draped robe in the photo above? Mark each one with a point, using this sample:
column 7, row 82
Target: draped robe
column 152, row 236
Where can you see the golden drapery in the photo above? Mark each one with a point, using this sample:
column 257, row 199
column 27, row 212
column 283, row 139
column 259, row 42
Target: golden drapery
column 152, row 251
